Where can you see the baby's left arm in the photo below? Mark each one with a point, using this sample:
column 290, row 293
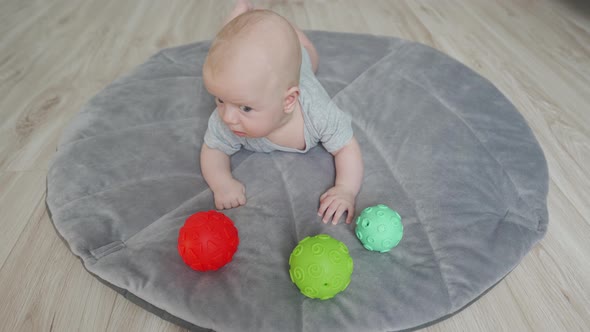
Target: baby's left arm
column 349, row 175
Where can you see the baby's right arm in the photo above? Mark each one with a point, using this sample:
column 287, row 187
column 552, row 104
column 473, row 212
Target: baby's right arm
column 227, row 191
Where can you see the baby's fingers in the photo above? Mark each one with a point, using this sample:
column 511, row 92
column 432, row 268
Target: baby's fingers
column 242, row 200
column 235, row 202
column 228, row 204
column 338, row 215
column 324, row 205
column 238, row 201
column 350, row 215
column 330, row 213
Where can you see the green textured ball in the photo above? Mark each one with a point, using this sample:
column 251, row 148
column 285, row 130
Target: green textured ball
column 379, row 228
column 320, row 266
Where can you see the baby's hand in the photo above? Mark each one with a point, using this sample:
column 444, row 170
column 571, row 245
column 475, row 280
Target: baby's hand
column 232, row 194
column 336, row 201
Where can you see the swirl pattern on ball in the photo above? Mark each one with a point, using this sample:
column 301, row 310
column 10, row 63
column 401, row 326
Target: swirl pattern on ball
column 320, row 267
column 379, row 228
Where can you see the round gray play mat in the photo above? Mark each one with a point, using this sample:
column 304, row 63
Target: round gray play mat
column 441, row 146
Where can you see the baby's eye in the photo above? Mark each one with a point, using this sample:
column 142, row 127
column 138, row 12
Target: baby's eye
column 219, row 101
column 246, row 108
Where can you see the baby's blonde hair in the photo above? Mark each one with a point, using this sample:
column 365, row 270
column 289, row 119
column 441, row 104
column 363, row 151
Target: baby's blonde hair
column 264, row 22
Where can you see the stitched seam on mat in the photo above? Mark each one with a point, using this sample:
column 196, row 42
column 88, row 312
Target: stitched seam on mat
column 120, row 185
column 289, row 197
column 166, row 57
column 124, row 244
column 130, row 238
column 111, row 132
column 440, row 272
column 125, row 80
column 182, row 217
column 378, row 62
column 452, row 111
column 107, row 249
column 127, row 242
column 293, row 221
column 437, row 97
column 380, row 149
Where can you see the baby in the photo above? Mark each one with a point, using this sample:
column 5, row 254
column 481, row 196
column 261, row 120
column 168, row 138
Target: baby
column 261, row 69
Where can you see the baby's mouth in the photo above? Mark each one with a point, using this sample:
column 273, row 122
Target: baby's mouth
column 239, row 133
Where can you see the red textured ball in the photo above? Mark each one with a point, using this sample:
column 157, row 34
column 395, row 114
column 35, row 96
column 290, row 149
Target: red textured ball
column 208, row 241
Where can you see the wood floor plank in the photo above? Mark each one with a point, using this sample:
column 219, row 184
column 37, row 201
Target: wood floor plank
column 21, row 193
column 55, row 55
column 488, row 314
column 43, row 286
column 142, row 320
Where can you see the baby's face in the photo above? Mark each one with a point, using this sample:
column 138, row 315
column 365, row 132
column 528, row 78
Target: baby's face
column 248, row 97
column 252, row 65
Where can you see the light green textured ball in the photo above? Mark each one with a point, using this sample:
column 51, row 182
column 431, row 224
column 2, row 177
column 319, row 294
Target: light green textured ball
column 320, row 266
column 379, row 228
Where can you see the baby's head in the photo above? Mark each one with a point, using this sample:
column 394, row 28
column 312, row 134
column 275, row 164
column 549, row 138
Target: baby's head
column 253, row 70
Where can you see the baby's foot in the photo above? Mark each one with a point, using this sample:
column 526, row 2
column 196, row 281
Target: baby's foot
column 246, row 5
column 241, row 7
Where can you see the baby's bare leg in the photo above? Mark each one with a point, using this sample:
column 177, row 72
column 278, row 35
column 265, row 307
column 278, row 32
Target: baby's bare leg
column 305, row 42
column 240, row 7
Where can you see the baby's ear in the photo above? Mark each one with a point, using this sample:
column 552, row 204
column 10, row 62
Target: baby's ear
column 291, row 98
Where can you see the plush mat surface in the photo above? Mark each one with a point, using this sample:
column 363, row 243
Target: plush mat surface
column 441, row 145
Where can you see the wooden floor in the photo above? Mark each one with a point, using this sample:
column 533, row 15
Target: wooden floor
column 55, row 55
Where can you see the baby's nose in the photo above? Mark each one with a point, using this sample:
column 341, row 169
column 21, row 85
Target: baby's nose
column 229, row 116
